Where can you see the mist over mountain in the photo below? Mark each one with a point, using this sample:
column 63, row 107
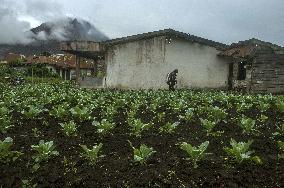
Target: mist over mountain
column 47, row 37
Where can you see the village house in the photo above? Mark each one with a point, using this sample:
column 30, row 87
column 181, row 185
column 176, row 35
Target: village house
column 62, row 64
column 255, row 66
column 142, row 62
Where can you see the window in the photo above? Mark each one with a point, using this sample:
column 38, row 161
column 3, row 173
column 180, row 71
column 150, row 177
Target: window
column 241, row 71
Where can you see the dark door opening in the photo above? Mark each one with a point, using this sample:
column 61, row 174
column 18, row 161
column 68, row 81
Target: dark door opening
column 231, row 74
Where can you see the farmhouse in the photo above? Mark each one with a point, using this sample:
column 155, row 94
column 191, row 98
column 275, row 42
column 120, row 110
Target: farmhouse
column 256, row 66
column 142, row 62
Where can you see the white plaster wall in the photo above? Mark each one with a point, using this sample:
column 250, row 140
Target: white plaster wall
column 144, row 64
column 198, row 65
column 136, row 64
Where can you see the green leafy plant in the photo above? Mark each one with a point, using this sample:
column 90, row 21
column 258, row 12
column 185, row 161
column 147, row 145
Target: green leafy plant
column 208, row 125
column 281, row 147
column 195, row 154
column 142, row 154
column 36, row 132
column 280, row 106
column 239, row 151
column 263, row 106
column 280, row 130
column 169, row 127
column 137, row 127
column 248, row 125
column 59, row 111
column 82, row 113
column 188, row 116
column 32, row 112
column 5, row 123
column 6, row 155
column 92, row 155
column 104, row 126
column 161, row 116
column 44, row 151
column 69, row 128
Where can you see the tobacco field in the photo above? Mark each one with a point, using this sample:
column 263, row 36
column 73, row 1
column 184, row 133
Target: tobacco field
column 63, row 136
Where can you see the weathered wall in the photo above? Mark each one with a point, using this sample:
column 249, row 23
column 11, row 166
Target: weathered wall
column 136, row 64
column 145, row 64
column 198, row 65
column 268, row 73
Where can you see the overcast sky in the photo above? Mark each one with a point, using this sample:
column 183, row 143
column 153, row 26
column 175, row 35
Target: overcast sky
column 224, row 21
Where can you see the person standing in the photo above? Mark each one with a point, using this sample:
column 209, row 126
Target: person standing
column 172, row 79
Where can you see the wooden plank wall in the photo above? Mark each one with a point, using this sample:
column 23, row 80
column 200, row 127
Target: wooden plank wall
column 268, row 73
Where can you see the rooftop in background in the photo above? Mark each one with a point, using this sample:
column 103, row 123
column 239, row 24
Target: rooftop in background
column 249, row 47
column 167, row 32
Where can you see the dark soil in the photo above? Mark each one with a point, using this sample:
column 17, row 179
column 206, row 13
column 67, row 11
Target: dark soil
column 168, row 167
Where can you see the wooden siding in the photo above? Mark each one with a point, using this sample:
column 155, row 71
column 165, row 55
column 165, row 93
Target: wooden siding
column 268, row 73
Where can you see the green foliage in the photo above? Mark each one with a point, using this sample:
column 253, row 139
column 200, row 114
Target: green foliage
column 263, row 106
column 208, row 125
column 169, row 127
column 240, row 151
column 281, row 147
column 280, row 106
column 104, row 126
column 248, row 125
column 69, row 128
column 142, row 154
column 195, row 154
column 59, row 111
column 280, row 130
column 137, row 127
column 36, row 132
column 5, row 123
column 6, row 155
column 188, row 116
column 82, row 113
column 92, row 155
column 32, row 112
column 44, row 151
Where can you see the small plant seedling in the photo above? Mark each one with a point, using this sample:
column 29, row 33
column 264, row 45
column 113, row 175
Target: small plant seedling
column 281, row 147
column 45, row 150
column 142, row 154
column 195, row 154
column 82, row 113
column 32, row 112
column 280, row 106
column 280, row 130
column 69, row 128
column 5, row 124
column 104, row 126
column 169, row 127
column 188, row 116
column 137, row 127
column 6, row 155
column 248, row 125
column 240, row 151
column 36, row 132
column 92, row 155
column 208, row 125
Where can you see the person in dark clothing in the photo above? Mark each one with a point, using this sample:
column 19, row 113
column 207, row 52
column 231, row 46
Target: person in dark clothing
column 172, row 79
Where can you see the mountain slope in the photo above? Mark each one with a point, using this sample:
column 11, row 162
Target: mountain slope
column 47, row 37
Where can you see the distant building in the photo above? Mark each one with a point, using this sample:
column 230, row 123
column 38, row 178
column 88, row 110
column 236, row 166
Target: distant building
column 256, row 66
column 12, row 57
column 62, row 64
column 143, row 61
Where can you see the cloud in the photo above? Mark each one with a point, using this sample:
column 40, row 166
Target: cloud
column 224, row 21
column 16, row 17
column 13, row 30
